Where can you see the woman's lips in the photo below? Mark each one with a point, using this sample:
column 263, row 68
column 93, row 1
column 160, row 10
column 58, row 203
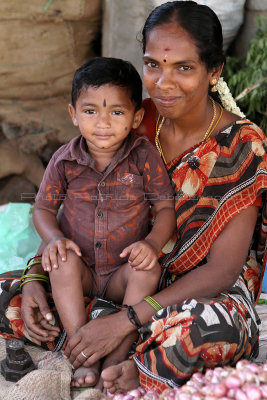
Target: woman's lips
column 167, row 100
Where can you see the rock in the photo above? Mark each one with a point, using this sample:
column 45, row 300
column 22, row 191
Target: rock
column 16, row 189
column 16, row 162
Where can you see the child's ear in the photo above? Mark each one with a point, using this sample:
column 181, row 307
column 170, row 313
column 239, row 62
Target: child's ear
column 138, row 116
column 73, row 114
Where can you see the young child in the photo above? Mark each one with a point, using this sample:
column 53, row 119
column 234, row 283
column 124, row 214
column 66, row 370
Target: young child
column 100, row 243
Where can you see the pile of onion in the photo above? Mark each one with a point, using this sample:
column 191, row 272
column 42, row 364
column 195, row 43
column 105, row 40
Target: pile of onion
column 247, row 381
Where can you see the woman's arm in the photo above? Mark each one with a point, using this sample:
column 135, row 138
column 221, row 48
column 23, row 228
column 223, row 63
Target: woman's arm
column 35, row 310
column 227, row 257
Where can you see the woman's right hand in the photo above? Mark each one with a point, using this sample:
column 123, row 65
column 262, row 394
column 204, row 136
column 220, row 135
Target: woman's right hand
column 36, row 313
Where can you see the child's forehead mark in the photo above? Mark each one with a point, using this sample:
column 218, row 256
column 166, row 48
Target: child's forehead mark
column 104, row 103
column 167, row 49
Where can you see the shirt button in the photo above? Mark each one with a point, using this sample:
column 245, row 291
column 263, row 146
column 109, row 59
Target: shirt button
column 100, row 214
column 103, row 183
column 98, row 245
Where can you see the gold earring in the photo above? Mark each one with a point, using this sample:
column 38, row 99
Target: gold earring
column 213, row 83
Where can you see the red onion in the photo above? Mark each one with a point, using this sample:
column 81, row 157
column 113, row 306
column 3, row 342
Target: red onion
column 253, row 367
column 231, row 393
column 197, row 396
column 233, row 381
column 219, row 390
column 142, row 390
column 253, row 392
column 264, row 391
column 128, row 397
column 241, row 364
column 247, row 381
column 197, row 376
column 184, row 396
column 151, row 395
column 135, row 393
column 240, row 395
column 263, row 376
column 118, row 396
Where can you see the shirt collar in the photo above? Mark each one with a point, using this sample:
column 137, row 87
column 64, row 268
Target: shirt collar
column 77, row 150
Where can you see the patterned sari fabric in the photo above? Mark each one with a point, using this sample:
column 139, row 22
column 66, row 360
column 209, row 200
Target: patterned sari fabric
column 214, row 181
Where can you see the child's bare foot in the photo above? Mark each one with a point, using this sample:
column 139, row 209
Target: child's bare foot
column 86, row 376
column 121, row 377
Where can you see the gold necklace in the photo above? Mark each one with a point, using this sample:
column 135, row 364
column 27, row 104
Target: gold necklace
column 157, row 142
column 210, row 130
column 214, row 126
column 207, row 134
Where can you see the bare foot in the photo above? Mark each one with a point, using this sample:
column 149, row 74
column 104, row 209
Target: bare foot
column 121, row 377
column 86, row 376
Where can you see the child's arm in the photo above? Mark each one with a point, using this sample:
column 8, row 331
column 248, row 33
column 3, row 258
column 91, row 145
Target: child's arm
column 46, row 224
column 143, row 255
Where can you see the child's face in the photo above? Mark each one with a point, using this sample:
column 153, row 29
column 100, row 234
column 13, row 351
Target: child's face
column 105, row 115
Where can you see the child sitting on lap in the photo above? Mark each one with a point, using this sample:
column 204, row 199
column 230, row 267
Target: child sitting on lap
column 100, row 244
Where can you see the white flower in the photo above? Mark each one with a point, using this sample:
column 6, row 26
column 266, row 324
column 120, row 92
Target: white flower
column 227, row 99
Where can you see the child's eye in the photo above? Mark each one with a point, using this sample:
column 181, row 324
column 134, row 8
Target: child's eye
column 90, row 111
column 117, row 112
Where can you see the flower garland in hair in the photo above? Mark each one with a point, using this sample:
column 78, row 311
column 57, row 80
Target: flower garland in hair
column 227, row 99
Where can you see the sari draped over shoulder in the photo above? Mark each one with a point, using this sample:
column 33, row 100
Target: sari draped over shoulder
column 214, row 181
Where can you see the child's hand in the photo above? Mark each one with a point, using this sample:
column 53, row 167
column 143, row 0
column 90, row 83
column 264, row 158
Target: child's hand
column 57, row 248
column 142, row 255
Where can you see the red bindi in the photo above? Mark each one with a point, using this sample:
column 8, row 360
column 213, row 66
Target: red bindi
column 164, row 60
column 166, row 49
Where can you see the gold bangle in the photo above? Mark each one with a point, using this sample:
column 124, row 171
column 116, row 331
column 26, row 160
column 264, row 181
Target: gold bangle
column 153, row 303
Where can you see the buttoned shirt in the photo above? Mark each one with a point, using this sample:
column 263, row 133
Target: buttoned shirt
column 104, row 212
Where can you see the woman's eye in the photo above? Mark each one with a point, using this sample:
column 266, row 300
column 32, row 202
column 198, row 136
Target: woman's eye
column 90, row 111
column 151, row 64
column 117, row 112
column 185, row 68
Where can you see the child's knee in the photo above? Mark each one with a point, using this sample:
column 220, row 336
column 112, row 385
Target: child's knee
column 69, row 266
column 151, row 275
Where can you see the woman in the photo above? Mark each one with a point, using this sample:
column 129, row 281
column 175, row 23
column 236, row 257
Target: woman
column 212, row 269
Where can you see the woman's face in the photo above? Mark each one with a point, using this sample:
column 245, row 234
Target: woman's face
column 175, row 78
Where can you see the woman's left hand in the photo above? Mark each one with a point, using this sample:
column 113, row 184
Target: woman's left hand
column 97, row 338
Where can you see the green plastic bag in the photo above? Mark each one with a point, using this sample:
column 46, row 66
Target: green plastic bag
column 19, row 239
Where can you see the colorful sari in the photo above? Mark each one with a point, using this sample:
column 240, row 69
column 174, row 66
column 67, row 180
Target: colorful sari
column 214, row 181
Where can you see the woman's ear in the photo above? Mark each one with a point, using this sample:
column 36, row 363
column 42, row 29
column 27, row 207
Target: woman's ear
column 138, row 116
column 215, row 74
column 73, row 114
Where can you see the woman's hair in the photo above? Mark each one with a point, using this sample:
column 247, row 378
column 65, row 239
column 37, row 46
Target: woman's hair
column 99, row 71
column 199, row 21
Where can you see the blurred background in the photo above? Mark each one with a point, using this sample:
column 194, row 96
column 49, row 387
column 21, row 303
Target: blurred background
column 44, row 41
